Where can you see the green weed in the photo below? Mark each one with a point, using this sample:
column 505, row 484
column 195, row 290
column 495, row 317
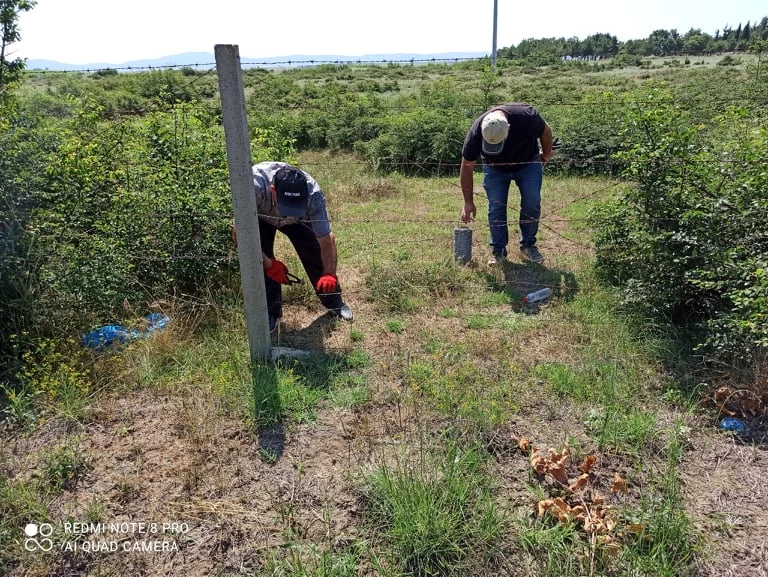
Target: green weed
column 666, row 542
column 406, row 287
column 294, row 389
column 125, row 491
column 20, row 407
column 478, row 322
column 559, row 550
column 298, row 560
column 20, row 503
column 494, row 299
column 356, row 359
column 625, row 430
column 435, row 513
column 63, row 467
column 453, row 383
column 51, row 377
column 349, row 390
column 268, row 455
column 564, row 380
column 95, row 511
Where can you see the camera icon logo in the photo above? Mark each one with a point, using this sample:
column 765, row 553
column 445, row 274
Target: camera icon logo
column 43, row 531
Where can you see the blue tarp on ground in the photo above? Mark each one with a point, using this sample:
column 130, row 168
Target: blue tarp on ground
column 108, row 336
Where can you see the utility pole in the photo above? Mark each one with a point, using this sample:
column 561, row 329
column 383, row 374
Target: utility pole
column 243, row 199
column 495, row 21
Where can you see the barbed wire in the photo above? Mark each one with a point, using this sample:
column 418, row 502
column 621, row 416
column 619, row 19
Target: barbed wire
column 311, row 62
column 246, row 63
column 208, row 68
column 555, row 168
column 472, row 110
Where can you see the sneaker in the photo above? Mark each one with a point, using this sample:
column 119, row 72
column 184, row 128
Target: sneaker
column 496, row 259
column 273, row 323
column 532, row 254
column 344, row 313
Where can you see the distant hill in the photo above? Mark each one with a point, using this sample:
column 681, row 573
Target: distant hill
column 207, row 60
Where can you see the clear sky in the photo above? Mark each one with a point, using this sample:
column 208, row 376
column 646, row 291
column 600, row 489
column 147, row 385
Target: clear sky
column 114, row 32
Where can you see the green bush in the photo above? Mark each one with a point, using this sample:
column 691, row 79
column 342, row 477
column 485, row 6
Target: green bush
column 591, row 133
column 687, row 241
column 423, row 134
column 129, row 212
column 417, row 142
column 314, row 116
column 23, row 154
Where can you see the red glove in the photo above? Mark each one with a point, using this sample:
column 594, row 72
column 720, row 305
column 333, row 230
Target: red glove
column 327, row 283
column 278, row 272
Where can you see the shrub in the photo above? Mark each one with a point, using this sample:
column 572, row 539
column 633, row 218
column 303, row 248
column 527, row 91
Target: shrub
column 686, row 242
column 129, row 213
column 422, row 141
column 591, row 132
column 23, row 153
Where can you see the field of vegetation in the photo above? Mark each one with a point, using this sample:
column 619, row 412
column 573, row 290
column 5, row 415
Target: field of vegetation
column 451, row 430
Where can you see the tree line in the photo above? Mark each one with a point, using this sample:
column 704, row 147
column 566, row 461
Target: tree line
column 750, row 36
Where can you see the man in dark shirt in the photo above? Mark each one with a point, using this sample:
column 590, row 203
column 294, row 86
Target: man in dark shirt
column 291, row 201
column 514, row 142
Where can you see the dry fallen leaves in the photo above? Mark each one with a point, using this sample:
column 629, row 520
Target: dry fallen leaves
column 751, row 406
column 589, row 462
column 591, row 512
column 734, row 402
column 636, row 528
column 594, row 518
column 538, row 463
column 722, row 394
column 579, row 483
column 554, row 463
column 558, row 465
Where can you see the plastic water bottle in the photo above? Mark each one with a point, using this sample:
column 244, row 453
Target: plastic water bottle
column 538, row 295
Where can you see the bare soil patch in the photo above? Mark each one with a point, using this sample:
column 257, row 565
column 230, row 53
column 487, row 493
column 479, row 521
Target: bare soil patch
column 726, row 495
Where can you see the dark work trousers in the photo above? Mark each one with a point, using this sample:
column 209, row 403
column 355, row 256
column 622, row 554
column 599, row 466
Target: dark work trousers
column 303, row 239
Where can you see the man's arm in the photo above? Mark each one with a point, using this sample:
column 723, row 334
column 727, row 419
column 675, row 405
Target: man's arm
column 546, row 140
column 466, row 180
column 328, row 253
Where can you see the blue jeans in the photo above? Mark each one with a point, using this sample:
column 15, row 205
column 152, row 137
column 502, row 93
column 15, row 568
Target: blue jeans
column 528, row 178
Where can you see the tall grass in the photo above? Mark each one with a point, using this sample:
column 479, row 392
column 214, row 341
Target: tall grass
column 435, row 512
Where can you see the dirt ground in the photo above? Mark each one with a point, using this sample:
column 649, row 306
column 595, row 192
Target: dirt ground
column 727, row 496
column 158, row 458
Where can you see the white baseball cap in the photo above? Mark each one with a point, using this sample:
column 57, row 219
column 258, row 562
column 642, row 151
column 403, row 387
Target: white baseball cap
column 494, row 128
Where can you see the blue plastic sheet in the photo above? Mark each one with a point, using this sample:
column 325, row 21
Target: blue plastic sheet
column 156, row 321
column 733, row 424
column 109, row 336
